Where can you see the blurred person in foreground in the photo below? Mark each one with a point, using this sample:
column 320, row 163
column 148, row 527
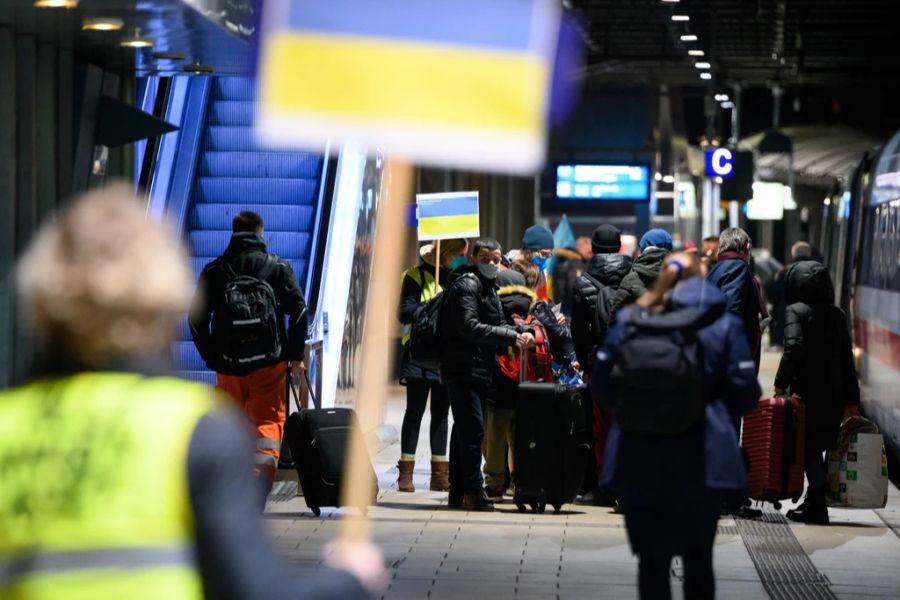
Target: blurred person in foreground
column 119, row 481
column 671, row 483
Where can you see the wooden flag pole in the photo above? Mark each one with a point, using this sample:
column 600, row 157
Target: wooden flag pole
column 383, row 296
column 437, row 265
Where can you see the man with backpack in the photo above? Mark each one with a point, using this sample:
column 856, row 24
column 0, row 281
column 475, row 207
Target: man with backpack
column 237, row 322
column 676, row 370
column 591, row 317
column 655, row 246
column 471, row 331
column 552, row 341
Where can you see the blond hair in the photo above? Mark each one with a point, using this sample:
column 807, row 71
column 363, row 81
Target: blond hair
column 103, row 281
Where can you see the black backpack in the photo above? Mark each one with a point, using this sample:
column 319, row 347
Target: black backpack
column 601, row 312
column 658, row 371
column 425, row 332
column 245, row 325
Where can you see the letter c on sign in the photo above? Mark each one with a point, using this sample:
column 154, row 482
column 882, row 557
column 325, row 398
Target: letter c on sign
column 723, row 162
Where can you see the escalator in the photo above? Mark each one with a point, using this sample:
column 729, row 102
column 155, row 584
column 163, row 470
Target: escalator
column 232, row 174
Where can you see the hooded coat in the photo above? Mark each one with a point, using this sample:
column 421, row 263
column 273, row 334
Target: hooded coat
column 472, row 328
column 610, row 270
column 644, row 272
column 672, row 474
column 817, row 363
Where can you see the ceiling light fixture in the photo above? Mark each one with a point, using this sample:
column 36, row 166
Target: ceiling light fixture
column 689, row 37
column 55, row 3
column 671, row 1
column 721, row 97
column 137, row 41
column 702, row 65
column 728, row 105
column 102, row 24
column 696, row 53
column 706, row 76
column 680, row 18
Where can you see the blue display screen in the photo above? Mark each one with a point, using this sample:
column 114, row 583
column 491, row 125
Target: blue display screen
column 603, row 182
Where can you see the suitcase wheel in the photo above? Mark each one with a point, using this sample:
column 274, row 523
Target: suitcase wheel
column 316, row 510
column 796, row 497
column 557, row 508
column 520, row 506
column 539, row 507
column 777, row 505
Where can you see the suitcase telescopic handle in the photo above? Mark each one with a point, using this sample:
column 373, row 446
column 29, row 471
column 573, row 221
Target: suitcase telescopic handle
column 292, row 391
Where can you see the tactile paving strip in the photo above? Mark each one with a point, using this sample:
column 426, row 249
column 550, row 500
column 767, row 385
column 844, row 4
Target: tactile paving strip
column 785, row 570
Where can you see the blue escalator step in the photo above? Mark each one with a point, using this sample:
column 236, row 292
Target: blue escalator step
column 286, row 244
column 230, row 137
column 260, row 164
column 186, row 357
column 276, row 218
column 207, row 377
column 233, row 88
column 257, row 190
column 231, row 112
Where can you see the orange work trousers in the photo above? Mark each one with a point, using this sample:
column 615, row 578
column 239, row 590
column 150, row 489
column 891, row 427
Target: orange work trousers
column 261, row 396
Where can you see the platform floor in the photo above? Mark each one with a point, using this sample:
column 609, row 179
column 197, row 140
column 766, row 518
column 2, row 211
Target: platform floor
column 583, row 552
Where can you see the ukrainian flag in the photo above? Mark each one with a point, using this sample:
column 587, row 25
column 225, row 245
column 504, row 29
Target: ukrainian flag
column 445, row 216
column 447, row 82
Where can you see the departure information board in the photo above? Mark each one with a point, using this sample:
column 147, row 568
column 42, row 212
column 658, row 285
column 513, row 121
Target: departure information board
column 603, row 182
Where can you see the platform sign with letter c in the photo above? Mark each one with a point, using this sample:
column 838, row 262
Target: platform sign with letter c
column 720, row 162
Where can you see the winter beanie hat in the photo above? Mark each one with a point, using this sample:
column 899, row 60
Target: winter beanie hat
column 537, row 237
column 659, row 238
column 607, row 239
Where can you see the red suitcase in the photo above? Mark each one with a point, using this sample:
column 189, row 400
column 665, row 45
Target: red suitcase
column 773, row 440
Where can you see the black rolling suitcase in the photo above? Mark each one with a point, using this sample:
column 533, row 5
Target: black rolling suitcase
column 318, row 439
column 552, row 445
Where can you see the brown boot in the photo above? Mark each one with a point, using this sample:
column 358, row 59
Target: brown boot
column 440, row 476
column 405, row 481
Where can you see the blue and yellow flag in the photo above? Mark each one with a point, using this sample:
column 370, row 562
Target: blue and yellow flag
column 461, row 83
column 446, row 216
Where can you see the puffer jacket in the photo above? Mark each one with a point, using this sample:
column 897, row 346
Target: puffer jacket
column 644, row 272
column 246, row 254
column 610, row 270
column 410, row 300
column 519, row 300
column 817, row 363
column 472, row 329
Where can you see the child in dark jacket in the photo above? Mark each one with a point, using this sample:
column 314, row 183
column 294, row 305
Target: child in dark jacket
column 516, row 299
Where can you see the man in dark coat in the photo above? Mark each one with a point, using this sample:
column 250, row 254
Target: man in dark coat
column 472, row 331
column 590, row 321
column 733, row 276
column 775, row 292
column 259, row 390
column 671, row 485
column 818, row 366
column 655, row 245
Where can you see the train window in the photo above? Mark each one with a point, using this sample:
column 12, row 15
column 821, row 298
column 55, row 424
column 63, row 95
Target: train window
column 894, row 251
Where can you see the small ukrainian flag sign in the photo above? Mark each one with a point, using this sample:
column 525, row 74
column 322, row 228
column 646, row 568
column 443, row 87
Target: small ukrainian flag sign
column 449, row 215
column 452, row 83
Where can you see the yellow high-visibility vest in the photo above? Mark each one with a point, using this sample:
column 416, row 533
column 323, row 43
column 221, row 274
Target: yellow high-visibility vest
column 429, row 289
column 93, row 488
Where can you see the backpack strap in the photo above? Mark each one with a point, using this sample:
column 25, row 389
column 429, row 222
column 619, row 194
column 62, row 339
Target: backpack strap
column 597, row 284
column 267, row 269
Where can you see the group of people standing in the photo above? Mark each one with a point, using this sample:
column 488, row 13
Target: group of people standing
column 671, row 489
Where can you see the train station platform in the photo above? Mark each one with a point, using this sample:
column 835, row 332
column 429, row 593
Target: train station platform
column 583, row 552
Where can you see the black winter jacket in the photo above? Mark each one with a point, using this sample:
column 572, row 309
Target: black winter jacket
column 644, row 272
column 817, row 363
column 246, row 253
column 472, row 329
column 610, row 270
column 410, row 300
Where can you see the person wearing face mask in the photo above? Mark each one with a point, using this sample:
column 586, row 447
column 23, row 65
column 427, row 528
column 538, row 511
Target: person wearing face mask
column 418, row 287
column 537, row 248
column 472, row 331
